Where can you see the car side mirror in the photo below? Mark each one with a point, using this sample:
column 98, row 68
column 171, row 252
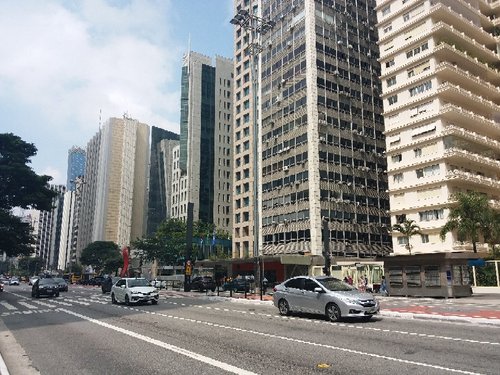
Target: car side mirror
column 122, row 286
column 318, row 290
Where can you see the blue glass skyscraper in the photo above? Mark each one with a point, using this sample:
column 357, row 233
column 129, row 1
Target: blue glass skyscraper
column 76, row 166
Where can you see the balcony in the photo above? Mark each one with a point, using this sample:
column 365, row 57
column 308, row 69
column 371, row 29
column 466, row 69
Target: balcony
column 455, row 94
column 472, row 136
column 466, row 157
column 471, row 178
column 467, row 246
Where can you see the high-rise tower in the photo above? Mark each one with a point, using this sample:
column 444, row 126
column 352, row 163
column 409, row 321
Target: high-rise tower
column 320, row 138
column 441, row 102
column 202, row 171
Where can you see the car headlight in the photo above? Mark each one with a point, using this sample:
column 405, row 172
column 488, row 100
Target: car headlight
column 352, row 301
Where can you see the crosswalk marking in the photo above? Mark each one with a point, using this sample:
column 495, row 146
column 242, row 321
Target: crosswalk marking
column 26, row 304
column 44, row 304
column 8, row 306
column 79, row 302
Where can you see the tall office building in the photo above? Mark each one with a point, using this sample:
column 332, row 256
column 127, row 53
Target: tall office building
column 203, row 161
column 440, row 82
column 76, row 166
column 320, row 135
column 114, row 199
column 159, row 179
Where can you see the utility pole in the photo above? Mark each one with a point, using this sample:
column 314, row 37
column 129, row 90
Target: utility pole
column 326, row 248
column 188, row 266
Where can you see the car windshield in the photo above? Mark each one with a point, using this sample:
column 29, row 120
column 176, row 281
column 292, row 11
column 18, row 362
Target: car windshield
column 60, row 281
column 336, row 285
column 138, row 282
column 46, row 282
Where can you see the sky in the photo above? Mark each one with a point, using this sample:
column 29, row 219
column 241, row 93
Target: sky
column 67, row 65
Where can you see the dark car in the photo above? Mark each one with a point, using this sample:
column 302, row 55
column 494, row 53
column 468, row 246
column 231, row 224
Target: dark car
column 63, row 285
column 239, row 284
column 202, row 283
column 45, row 287
column 96, row 281
column 108, row 283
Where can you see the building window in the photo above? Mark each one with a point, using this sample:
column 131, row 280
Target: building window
column 397, row 158
column 431, row 215
column 386, row 11
column 420, row 88
column 403, row 240
column 425, row 238
column 413, row 276
column 389, row 63
column 395, row 277
column 387, row 28
column 397, row 178
column 392, row 99
column 391, row 81
column 432, row 276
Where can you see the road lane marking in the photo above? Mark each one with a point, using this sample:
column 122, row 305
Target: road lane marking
column 311, row 343
column 346, row 325
column 198, row 357
column 44, row 304
column 76, row 301
column 26, row 304
column 8, row 306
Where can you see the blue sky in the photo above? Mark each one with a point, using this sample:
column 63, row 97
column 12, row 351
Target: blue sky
column 65, row 61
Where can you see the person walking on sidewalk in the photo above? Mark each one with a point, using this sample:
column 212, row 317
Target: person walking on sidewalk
column 383, row 287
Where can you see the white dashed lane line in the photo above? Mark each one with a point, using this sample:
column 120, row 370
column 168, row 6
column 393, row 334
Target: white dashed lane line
column 375, row 329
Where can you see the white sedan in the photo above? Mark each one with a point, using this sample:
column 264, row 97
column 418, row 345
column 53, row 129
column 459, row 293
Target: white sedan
column 134, row 290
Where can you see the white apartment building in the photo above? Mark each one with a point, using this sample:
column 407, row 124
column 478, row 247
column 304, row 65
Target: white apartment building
column 441, row 95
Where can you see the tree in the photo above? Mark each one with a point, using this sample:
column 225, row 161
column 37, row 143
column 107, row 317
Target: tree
column 30, row 265
column 408, row 229
column 101, row 255
column 470, row 217
column 21, row 187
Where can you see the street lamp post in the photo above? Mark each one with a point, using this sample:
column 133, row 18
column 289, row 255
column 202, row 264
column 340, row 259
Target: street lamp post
column 256, row 26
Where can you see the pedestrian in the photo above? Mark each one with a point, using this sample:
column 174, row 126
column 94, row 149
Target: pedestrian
column 361, row 284
column 383, row 287
column 349, row 280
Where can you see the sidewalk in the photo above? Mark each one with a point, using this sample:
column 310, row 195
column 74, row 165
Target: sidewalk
column 481, row 308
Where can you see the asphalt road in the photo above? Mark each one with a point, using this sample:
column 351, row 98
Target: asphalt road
column 81, row 332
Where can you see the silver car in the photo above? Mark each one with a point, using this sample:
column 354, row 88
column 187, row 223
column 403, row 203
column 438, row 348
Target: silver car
column 133, row 290
column 324, row 295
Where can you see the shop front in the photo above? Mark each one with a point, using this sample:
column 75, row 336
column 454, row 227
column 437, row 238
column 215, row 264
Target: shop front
column 429, row 275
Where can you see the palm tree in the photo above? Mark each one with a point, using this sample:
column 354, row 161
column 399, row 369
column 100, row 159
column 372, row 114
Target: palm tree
column 408, row 229
column 470, row 217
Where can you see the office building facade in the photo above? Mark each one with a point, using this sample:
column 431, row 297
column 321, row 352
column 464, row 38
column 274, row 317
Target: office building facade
column 320, row 137
column 202, row 172
column 114, row 199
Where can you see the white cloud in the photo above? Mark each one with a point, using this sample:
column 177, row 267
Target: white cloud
column 66, row 64
column 62, row 62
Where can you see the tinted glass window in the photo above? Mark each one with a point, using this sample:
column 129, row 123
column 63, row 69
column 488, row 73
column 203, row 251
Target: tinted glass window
column 46, row 282
column 336, row 285
column 310, row 285
column 120, row 283
column 294, row 283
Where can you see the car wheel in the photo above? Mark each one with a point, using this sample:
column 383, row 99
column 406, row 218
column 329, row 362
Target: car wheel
column 127, row 300
column 283, row 307
column 113, row 299
column 154, row 302
column 332, row 312
column 57, row 294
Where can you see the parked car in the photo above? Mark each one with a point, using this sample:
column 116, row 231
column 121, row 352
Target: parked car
column 240, row 284
column 96, row 281
column 13, row 281
column 203, row 283
column 324, row 295
column 108, row 283
column 45, row 287
column 63, row 285
column 134, row 290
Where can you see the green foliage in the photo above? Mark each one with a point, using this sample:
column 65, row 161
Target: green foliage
column 101, row 255
column 168, row 244
column 30, row 265
column 408, row 229
column 21, row 187
column 470, row 217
